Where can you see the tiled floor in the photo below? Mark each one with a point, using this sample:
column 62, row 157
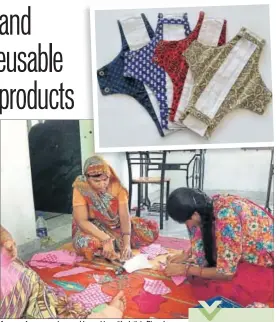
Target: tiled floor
column 59, row 226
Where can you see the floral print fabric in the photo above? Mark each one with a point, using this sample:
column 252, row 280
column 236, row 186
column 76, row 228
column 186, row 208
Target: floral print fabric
column 243, row 232
column 144, row 232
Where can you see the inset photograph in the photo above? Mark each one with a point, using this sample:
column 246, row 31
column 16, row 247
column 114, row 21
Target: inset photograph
column 133, row 234
column 181, row 76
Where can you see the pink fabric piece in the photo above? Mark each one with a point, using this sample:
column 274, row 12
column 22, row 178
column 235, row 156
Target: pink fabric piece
column 79, row 259
column 41, row 265
column 178, row 279
column 9, row 275
column 73, row 271
column 156, row 287
column 153, row 250
column 91, row 297
column 61, row 257
column 162, row 266
column 148, row 303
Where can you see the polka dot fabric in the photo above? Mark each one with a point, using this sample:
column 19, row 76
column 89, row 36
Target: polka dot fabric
column 140, row 65
column 112, row 81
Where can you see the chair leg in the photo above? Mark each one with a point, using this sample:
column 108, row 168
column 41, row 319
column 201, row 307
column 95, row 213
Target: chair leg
column 138, row 212
column 147, row 200
column 167, row 197
column 129, row 197
column 161, row 205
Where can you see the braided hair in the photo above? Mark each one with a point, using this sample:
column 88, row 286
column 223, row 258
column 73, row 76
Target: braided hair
column 183, row 203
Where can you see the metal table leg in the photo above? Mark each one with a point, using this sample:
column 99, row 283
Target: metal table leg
column 270, row 177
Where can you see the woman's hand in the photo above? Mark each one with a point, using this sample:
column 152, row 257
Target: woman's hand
column 109, row 251
column 173, row 269
column 119, row 302
column 11, row 248
column 179, row 258
column 126, row 253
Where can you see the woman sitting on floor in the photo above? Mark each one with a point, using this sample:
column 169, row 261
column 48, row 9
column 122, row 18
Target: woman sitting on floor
column 225, row 231
column 101, row 218
column 30, row 297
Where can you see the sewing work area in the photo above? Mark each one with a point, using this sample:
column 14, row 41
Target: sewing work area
column 139, row 234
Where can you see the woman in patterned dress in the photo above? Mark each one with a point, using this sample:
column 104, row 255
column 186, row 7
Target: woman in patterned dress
column 27, row 296
column 101, row 220
column 224, row 231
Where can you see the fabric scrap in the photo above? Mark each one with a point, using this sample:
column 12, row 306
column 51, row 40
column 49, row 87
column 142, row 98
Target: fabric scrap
column 102, row 279
column 69, row 286
column 58, row 256
column 91, row 297
column 153, row 250
column 148, row 303
column 136, row 263
column 156, row 287
column 72, row 271
column 179, row 279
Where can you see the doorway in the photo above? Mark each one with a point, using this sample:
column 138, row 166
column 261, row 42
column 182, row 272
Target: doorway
column 55, row 157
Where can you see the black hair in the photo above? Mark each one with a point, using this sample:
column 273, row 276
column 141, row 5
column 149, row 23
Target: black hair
column 183, row 203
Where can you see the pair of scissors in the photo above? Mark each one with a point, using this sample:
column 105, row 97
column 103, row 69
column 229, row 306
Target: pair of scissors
column 119, row 268
column 117, row 264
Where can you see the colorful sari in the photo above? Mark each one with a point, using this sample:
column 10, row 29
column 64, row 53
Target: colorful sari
column 104, row 212
column 244, row 237
column 23, row 294
column 31, row 298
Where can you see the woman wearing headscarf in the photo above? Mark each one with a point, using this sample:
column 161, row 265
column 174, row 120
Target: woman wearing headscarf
column 23, row 294
column 101, row 220
column 227, row 233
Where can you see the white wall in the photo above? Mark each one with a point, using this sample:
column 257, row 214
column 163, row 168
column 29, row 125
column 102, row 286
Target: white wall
column 117, row 163
column 88, row 149
column 86, row 139
column 17, row 207
column 237, row 170
column 225, row 169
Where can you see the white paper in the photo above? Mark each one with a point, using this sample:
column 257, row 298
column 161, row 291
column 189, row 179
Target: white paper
column 136, row 263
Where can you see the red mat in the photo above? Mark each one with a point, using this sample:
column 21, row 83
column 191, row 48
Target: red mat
column 176, row 303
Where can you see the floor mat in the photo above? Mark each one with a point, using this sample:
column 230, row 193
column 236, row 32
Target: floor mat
column 174, row 305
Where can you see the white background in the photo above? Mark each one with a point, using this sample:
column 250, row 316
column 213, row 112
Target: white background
column 66, row 25
column 122, row 122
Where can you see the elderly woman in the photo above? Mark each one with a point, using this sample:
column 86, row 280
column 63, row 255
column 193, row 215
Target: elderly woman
column 27, row 296
column 102, row 223
column 227, row 234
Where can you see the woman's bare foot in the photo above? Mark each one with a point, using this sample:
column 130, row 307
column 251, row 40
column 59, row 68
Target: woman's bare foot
column 119, row 301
